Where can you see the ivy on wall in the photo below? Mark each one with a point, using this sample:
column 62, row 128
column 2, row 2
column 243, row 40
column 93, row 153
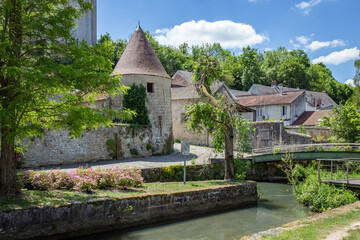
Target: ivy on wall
column 135, row 100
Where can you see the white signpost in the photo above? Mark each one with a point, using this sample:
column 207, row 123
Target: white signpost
column 185, row 151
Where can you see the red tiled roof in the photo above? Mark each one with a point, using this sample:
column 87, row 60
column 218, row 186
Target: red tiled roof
column 311, row 117
column 269, row 99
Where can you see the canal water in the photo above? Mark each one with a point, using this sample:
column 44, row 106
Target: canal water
column 277, row 206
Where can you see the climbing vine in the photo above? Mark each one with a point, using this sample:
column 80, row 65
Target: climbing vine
column 135, row 100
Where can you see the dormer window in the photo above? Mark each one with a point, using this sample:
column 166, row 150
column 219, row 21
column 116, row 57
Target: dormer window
column 150, row 87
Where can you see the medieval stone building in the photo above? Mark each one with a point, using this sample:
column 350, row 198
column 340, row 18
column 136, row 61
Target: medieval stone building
column 140, row 65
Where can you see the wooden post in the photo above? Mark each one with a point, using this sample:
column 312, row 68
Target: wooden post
column 331, row 169
column 347, row 172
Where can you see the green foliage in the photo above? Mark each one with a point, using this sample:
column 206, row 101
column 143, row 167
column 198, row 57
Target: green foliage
column 134, row 152
column 310, row 148
column 241, row 168
column 149, row 146
column 277, row 150
column 193, row 161
column 344, row 122
column 322, row 197
column 302, row 129
column 177, row 141
column 287, row 165
column 135, row 100
column 46, row 75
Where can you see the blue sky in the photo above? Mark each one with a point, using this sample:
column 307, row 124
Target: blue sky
column 327, row 30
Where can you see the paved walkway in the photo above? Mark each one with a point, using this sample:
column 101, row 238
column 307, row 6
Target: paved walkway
column 200, row 154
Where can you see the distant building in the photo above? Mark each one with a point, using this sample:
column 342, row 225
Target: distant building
column 286, row 106
column 87, row 26
column 314, row 100
column 183, row 93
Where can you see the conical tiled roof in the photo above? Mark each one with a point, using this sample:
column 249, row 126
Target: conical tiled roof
column 139, row 58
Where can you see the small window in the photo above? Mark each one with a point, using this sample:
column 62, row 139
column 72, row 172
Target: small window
column 150, row 87
column 259, row 112
column 284, row 110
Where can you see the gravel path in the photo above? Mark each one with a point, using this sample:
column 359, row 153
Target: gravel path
column 201, row 155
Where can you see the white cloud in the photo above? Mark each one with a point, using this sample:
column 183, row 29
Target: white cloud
column 229, row 34
column 306, row 43
column 306, row 6
column 303, row 40
column 350, row 82
column 336, row 58
column 315, row 45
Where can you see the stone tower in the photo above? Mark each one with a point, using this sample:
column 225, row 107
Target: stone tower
column 140, row 65
column 87, row 26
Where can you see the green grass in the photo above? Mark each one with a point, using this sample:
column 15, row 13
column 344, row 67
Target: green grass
column 353, row 235
column 31, row 198
column 318, row 229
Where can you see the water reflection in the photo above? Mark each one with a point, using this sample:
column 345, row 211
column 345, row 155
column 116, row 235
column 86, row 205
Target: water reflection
column 277, row 206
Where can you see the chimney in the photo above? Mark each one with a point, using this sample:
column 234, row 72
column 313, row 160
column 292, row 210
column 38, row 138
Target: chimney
column 281, row 89
column 318, row 103
column 273, row 83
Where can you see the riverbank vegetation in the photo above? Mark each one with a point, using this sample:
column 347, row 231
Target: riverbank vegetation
column 319, row 197
column 31, row 198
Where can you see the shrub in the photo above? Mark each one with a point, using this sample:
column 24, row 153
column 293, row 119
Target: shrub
column 149, row 146
column 310, row 148
column 241, row 167
column 134, row 152
column 322, row 197
column 277, row 150
column 80, row 180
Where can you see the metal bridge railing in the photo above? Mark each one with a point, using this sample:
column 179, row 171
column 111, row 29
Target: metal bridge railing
column 345, row 170
column 351, row 147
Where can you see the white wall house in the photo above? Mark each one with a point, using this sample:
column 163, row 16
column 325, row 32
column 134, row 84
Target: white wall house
column 274, row 106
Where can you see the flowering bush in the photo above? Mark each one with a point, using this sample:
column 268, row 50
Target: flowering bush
column 80, row 179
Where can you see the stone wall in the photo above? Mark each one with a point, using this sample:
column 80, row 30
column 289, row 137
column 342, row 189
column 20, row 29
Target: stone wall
column 119, row 141
column 100, row 215
column 158, row 104
column 313, row 131
column 270, row 134
column 180, row 129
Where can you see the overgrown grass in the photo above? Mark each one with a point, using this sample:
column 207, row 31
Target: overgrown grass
column 353, row 235
column 318, row 229
column 31, row 198
column 322, row 197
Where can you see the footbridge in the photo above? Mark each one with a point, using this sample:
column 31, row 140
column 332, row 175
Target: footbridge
column 307, row 152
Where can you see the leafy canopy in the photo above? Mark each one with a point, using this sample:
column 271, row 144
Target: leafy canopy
column 46, row 74
column 344, row 121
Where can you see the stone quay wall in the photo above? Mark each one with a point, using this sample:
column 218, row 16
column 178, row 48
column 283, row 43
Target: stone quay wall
column 100, row 215
column 120, row 141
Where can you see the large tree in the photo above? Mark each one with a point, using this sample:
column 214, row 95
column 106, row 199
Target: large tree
column 219, row 114
column 45, row 74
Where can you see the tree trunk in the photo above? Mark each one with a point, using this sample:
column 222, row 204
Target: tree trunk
column 8, row 183
column 229, row 154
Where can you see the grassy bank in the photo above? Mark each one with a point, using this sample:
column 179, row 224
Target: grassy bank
column 31, row 198
column 321, row 227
